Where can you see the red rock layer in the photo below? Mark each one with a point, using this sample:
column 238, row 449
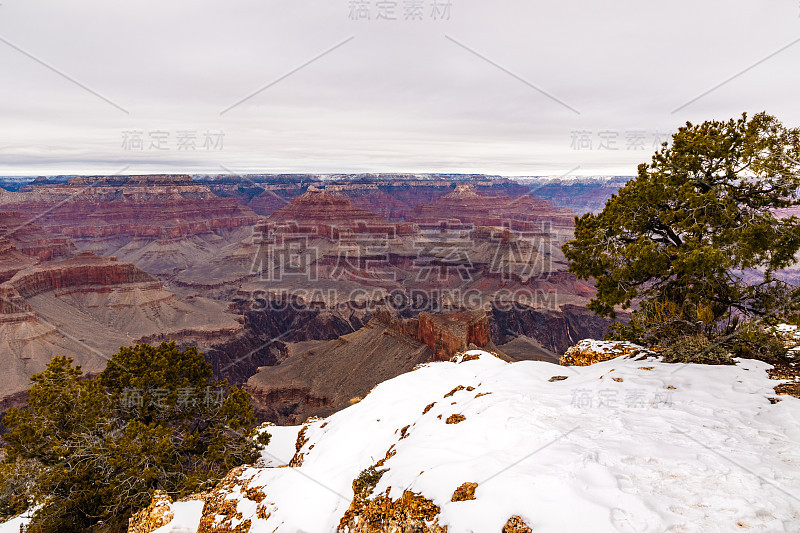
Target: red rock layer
column 449, row 334
column 84, row 269
column 164, row 207
column 31, row 239
column 11, row 260
column 320, row 213
column 445, row 334
column 464, row 205
column 369, row 197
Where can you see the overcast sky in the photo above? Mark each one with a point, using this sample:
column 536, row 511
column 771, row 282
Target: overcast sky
column 510, row 87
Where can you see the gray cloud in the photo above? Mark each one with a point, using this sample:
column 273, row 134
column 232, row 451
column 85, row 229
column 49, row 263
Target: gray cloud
column 399, row 96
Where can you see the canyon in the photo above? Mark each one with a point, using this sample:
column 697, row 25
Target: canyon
column 159, row 222
column 287, row 281
column 87, row 306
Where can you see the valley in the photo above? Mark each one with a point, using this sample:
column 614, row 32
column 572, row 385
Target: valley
column 282, row 281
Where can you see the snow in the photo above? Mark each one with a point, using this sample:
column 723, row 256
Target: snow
column 791, row 338
column 280, row 449
column 610, row 347
column 187, row 517
column 664, row 447
column 13, row 525
column 619, row 446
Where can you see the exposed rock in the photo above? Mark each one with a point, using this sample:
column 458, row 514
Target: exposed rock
column 318, row 213
column 29, row 238
column 464, row 492
column 516, row 524
column 588, row 352
column 87, row 307
column 157, row 514
column 581, row 195
column 468, row 207
column 328, row 376
column 81, row 270
column 455, row 419
column 379, row 514
column 448, row 334
column 556, row 331
column 137, row 218
column 219, row 513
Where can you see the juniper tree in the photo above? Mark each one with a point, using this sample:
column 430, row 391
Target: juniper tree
column 91, row 451
column 700, row 227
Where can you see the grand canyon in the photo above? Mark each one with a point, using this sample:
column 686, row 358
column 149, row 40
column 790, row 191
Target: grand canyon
column 379, row 326
column 283, row 280
column 429, row 266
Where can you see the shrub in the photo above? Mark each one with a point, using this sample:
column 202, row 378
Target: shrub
column 94, row 450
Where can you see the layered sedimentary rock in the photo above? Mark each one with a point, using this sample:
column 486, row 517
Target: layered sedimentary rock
column 370, row 197
column 12, row 260
column 87, row 307
column 523, row 213
column 317, row 212
column 28, row 236
column 159, row 222
column 330, row 376
column 555, row 330
column 449, row 334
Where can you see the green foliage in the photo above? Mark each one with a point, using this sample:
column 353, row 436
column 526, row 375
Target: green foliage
column 94, row 450
column 17, row 486
column 754, row 341
column 697, row 229
column 696, row 349
column 366, row 481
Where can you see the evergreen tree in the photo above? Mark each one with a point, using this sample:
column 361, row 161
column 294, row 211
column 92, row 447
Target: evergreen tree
column 91, row 451
column 700, row 227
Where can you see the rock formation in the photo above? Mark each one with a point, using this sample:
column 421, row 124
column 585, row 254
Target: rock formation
column 87, row 307
column 523, row 213
column 581, row 195
column 319, row 213
column 329, row 376
column 30, row 239
column 159, row 222
column 522, row 456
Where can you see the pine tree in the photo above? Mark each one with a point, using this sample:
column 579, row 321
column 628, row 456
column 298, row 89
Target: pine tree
column 92, row 451
column 700, row 227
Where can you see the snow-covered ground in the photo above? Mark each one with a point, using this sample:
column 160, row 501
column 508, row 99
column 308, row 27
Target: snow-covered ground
column 620, row 446
column 17, row 524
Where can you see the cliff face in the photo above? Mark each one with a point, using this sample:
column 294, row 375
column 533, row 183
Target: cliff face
column 84, row 269
column 581, row 195
column 87, row 307
column 320, row 213
column 160, row 223
column 29, row 238
column 554, row 330
column 449, row 334
column 165, row 207
column 12, row 260
column 523, row 213
column 331, row 375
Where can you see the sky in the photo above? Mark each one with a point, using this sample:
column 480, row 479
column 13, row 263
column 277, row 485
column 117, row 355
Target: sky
column 506, row 87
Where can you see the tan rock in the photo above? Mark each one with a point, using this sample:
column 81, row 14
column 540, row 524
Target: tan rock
column 157, row 514
column 588, row 352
